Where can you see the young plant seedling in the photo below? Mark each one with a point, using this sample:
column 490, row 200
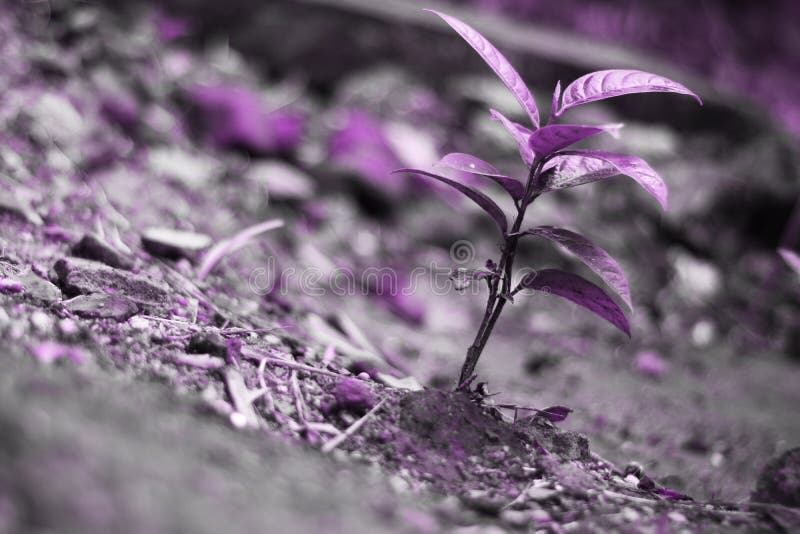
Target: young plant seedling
column 551, row 166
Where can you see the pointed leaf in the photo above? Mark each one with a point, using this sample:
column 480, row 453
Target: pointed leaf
column 471, row 164
column 610, row 83
column 594, row 257
column 232, row 244
column 549, row 139
column 582, row 292
column 636, row 168
column 791, row 258
column 563, row 172
column 519, row 133
column 476, row 196
column 555, row 414
column 497, row 62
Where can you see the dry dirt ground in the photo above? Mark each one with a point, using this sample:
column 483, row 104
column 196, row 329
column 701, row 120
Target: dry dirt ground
column 138, row 396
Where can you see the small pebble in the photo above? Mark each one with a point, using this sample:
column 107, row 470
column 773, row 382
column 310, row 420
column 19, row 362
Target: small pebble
column 174, row 244
column 92, row 247
column 516, row 518
column 102, row 306
column 540, row 494
column 137, row 322
column 238, row 420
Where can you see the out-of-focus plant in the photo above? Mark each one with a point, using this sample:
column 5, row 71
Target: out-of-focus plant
column 552, row 165
column 791, row 258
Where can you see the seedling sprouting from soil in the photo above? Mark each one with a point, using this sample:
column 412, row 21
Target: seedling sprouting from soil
column 551, row 165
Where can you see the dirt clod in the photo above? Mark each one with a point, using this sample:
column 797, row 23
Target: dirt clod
column 780, row 480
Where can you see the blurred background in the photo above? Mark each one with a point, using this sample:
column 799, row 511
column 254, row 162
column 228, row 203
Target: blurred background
column 244, row 110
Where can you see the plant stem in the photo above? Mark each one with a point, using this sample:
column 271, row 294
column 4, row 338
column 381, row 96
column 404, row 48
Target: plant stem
column 499, row 288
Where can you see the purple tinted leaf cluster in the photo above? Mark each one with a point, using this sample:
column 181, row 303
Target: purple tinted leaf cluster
column 552, row 164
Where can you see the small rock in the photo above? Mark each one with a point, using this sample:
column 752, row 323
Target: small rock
column 483, row 502
column 38, row 290
column 174, row 244
column 516, row 518
column 195, row 170
column 137, row 322
column 779, row 481
column 199, row 361
column 54, row 117
column 541, row 494
column 207, row 343
column 92, row 247
column 102, row 306
column 281, row 180
column 352, row 396
column 84, row 277
column 571, row 445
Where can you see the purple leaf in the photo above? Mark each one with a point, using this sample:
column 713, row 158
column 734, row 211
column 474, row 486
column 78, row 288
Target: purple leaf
column 636, row 168
column 549, row 139
column 609, row 83
column 582, row 292
column 497, row 62
column 672, row 495
column 594, row 257
column 791, row 258
column 486, row 203
column 562, row 172
column 555, row 414
column 359, row 145
column 519, row 133
column 471, row 164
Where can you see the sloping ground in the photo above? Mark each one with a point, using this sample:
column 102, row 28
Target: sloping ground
column 140, row 396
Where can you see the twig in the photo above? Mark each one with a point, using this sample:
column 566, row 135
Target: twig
column 299, row 402
column 352, row 429
column 257, row 355
column 269, row 400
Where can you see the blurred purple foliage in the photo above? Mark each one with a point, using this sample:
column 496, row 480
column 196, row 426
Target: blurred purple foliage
column 748, row 47
column 236, row 117
column 358, row 144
